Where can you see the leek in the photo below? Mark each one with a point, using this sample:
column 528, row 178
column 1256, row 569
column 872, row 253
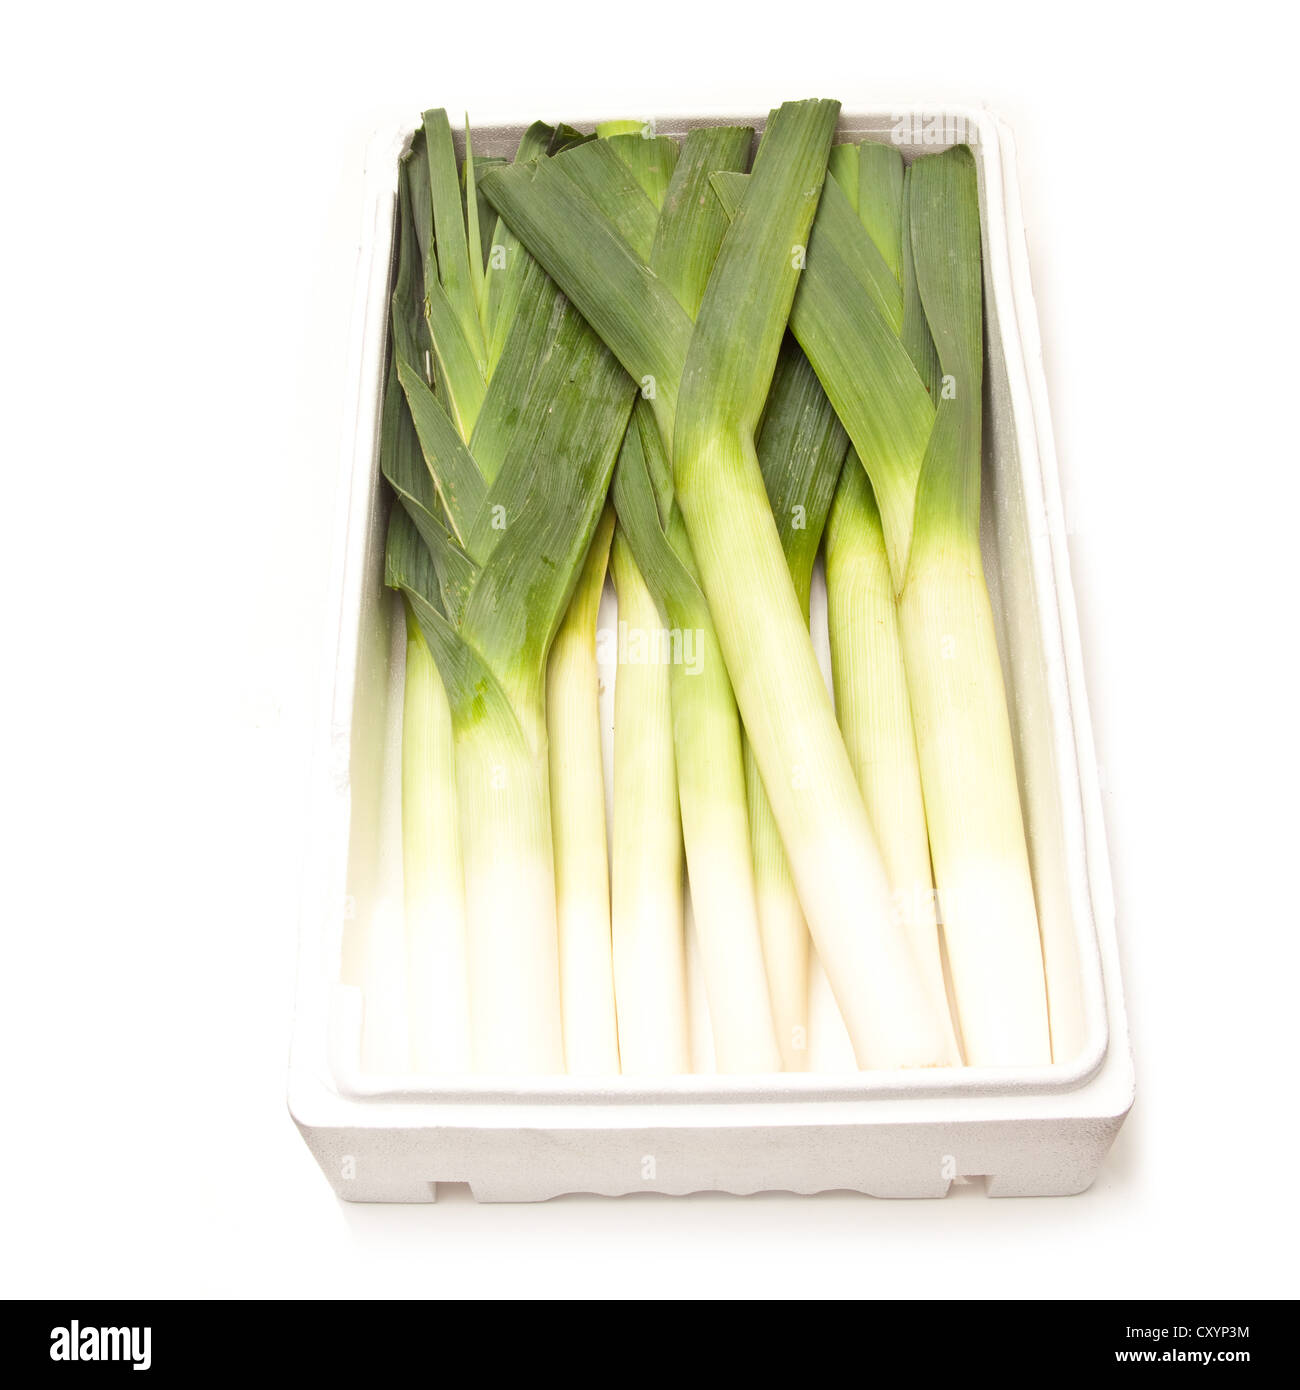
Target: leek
column 518, row 460
column 977, row 834
column 437, row 986
column 649, row 906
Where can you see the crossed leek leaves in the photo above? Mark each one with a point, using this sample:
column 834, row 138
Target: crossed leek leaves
column 485, row 345
column 502, row 419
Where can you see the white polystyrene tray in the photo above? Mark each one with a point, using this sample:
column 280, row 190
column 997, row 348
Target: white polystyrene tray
column 386, row 1135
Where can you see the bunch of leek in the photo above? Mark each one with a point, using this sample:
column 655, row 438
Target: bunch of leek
column 885, row 345
column 591, row 370
column 710, row 381
column 658, row 214
column 519, row 411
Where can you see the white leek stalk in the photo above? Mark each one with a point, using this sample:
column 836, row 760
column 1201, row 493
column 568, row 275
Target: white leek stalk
column 376, row 959
column 502, row 779
column 786, row 944
column 578, row 826
column 432, row 875
column 648, row 910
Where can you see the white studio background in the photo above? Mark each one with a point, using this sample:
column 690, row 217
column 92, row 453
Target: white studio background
column 178, row 236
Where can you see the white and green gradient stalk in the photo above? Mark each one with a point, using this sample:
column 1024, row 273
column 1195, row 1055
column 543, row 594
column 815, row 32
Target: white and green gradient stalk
column 660, row 208
column 801, row 447
column 977, row 837
column 874, row 711
column 648, row 907
column 433, row 885
column 578, row 825
column 715, row 823
column 710, row 770
column 959, row 707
